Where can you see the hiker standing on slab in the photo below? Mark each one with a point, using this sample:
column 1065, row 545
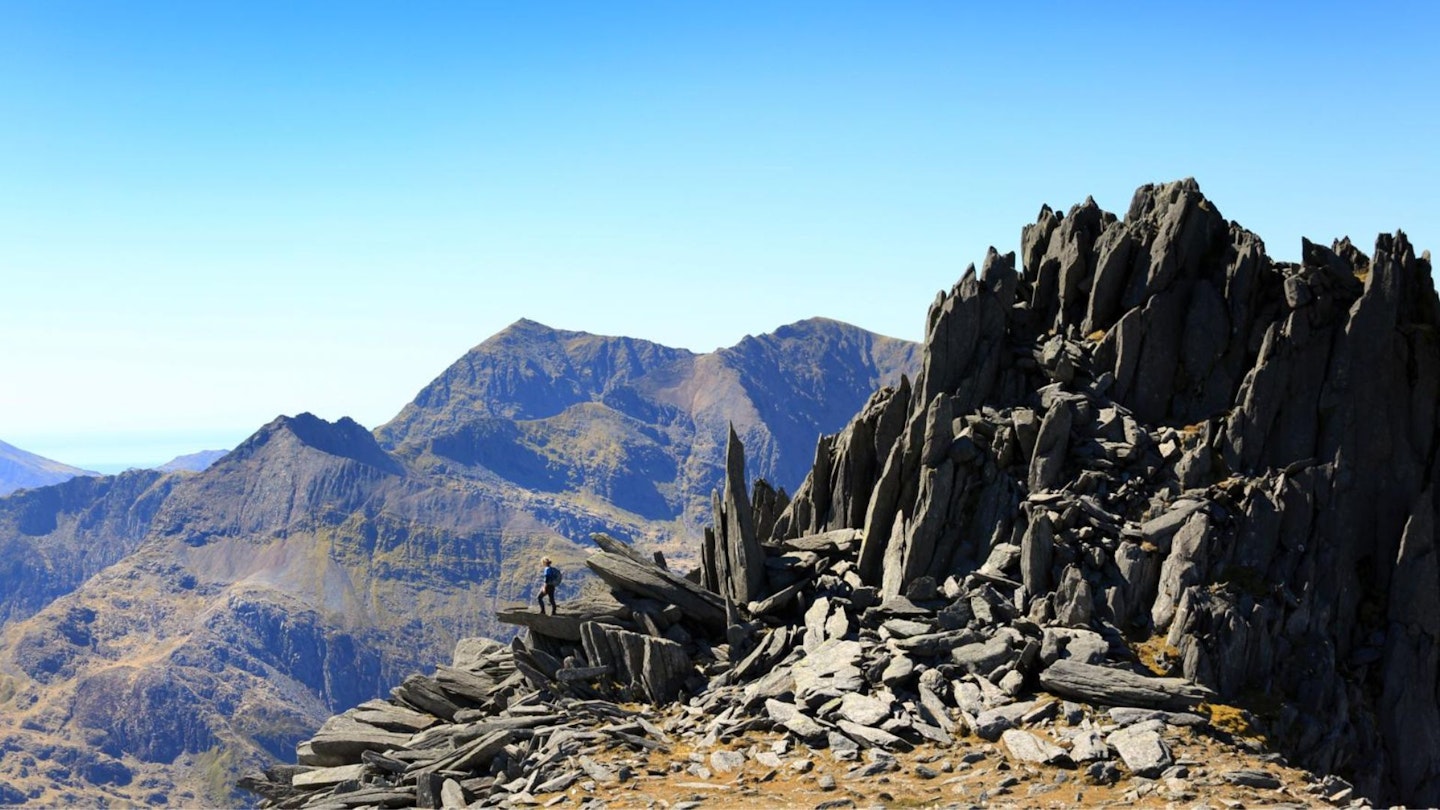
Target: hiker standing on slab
column 549, row 581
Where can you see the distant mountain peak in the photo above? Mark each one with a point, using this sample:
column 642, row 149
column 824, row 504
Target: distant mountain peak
column 344, row 438
column 529, row 324
column 198, row 461
column 21, row 469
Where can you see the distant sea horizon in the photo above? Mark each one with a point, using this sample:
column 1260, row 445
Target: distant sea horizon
column 112, row 453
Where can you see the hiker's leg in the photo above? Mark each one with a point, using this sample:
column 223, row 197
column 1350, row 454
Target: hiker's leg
column 541, row 600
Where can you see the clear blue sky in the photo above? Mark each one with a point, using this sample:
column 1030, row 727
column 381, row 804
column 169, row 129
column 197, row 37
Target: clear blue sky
column 212, row 213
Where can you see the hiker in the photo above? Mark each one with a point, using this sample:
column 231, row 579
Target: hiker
column 549, row 581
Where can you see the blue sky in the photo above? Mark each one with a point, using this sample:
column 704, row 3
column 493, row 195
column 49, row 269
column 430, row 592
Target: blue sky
column 214, row 213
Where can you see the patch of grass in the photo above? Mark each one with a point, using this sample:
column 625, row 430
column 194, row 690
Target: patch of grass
column 1096, row 336
column 7, row 689
column 216, row 769
column 1158, row 655
column 1231, row 719
column 1252, row 710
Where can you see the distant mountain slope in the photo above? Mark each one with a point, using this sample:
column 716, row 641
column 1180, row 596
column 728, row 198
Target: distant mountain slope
column 639, row 424
column 54, row 538
column 315, row 564
column 193, row 462
column 24, row 470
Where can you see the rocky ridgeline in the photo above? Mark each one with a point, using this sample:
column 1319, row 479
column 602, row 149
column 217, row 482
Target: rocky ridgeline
column 1150, row 478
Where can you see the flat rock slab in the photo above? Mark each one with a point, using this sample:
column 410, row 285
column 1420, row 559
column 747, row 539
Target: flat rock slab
column 986, row 656
column 1089, row 746
column 727, row 761
column 375, row 797
column 900, row 607
column 321, row 777
column 840, row 540
column 560, row 782
column 1129, row 716
column 863, row 709
column 1252, row 779
column 600, row 773
column 769, row 759
column 935, row 643
column 388, row 717
column 907, row 628
column 934, row 709
column 1118, row 687
column 647, row 579
column 872, row 737
column 794, row 720
column 349, row 746
column 1159, row 530
column 565, row 623
column 830, row 666
column 1027, row 747
column 1141, row 748
column 991, row 723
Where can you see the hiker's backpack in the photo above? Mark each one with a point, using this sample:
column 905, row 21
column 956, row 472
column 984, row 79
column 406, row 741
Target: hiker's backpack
column 557, row 576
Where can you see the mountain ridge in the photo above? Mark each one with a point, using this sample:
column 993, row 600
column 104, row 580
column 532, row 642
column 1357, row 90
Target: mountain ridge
column 311, row 567
column 21, row 469
column 193, row 462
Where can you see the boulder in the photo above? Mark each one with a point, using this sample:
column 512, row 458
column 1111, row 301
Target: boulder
column 1027, row 747
column 1108, row 686
column 1141, row 748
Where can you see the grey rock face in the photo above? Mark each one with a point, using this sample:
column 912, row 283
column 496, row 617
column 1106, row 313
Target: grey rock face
column 1051, row 446
column 653, row 667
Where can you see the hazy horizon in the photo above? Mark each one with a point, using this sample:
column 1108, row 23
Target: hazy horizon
column 216, row 214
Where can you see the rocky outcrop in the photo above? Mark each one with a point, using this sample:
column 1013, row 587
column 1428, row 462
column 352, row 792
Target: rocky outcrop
column 513, row 726
column 1189, row 440
column 1151, row 479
